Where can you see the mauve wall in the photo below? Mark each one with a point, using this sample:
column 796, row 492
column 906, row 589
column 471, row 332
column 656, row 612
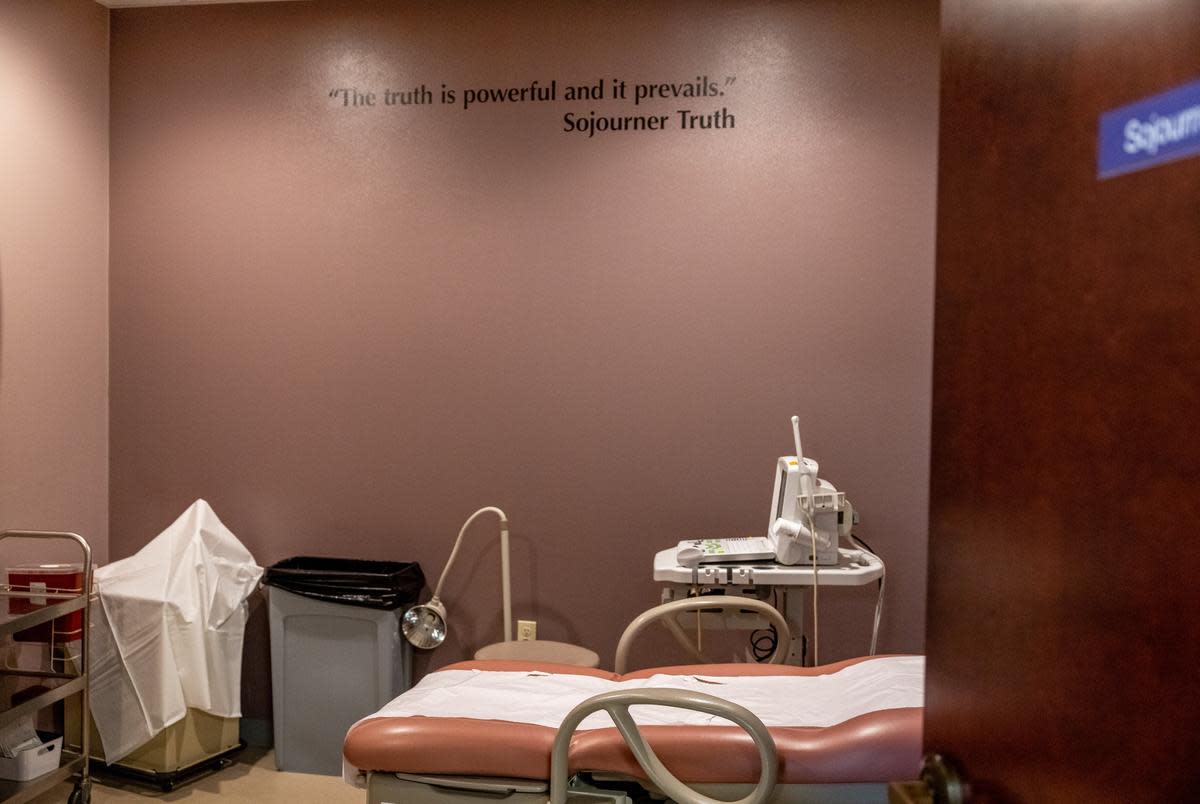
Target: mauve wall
column 349, row 328
column 54, row 271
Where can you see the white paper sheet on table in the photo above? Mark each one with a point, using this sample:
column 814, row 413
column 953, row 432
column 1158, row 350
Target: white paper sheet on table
column 544, row 699
column 167, row 634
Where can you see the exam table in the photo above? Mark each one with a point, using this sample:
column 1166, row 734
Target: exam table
column 521, row 732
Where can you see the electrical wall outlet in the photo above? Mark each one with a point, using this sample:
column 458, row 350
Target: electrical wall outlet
column 526, row 630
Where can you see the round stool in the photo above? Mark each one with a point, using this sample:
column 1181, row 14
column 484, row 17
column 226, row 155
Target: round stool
column 540, row 650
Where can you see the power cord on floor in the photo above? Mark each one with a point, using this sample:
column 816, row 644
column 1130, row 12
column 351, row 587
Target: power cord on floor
column 763, row 642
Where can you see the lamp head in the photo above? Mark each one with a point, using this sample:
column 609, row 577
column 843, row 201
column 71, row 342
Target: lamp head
column 425, row 625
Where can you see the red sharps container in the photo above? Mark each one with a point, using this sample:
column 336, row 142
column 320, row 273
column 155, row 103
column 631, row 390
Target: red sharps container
column 39, row 580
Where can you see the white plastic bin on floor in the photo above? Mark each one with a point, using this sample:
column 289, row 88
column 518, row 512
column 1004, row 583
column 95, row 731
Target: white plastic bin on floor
column 33, row 762
column 331, row 665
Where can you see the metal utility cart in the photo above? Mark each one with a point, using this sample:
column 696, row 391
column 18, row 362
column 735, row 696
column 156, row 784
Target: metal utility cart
column 63, row 683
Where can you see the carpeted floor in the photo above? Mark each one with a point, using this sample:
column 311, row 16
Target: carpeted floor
column 251, row 778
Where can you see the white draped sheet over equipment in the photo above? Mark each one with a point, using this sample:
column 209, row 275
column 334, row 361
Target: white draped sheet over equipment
column 168, row 633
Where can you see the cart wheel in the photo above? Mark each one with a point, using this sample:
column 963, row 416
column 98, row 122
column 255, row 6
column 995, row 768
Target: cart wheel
column 80, row 795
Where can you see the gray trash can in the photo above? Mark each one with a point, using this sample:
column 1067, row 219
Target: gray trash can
column 333, row 663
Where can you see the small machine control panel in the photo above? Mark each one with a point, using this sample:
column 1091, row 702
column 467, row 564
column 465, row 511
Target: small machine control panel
column 748, row 548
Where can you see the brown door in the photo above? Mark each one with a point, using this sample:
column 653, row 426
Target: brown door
column 1064, row 554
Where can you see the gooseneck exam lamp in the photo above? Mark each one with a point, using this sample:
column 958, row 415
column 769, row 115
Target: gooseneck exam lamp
column 425, row 625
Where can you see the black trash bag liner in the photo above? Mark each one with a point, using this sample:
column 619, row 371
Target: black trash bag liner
column 349, row 581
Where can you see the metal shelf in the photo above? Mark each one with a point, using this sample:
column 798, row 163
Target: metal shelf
column 53, row 695
column 16, row 792
column 12, row 623
column 72, row 764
